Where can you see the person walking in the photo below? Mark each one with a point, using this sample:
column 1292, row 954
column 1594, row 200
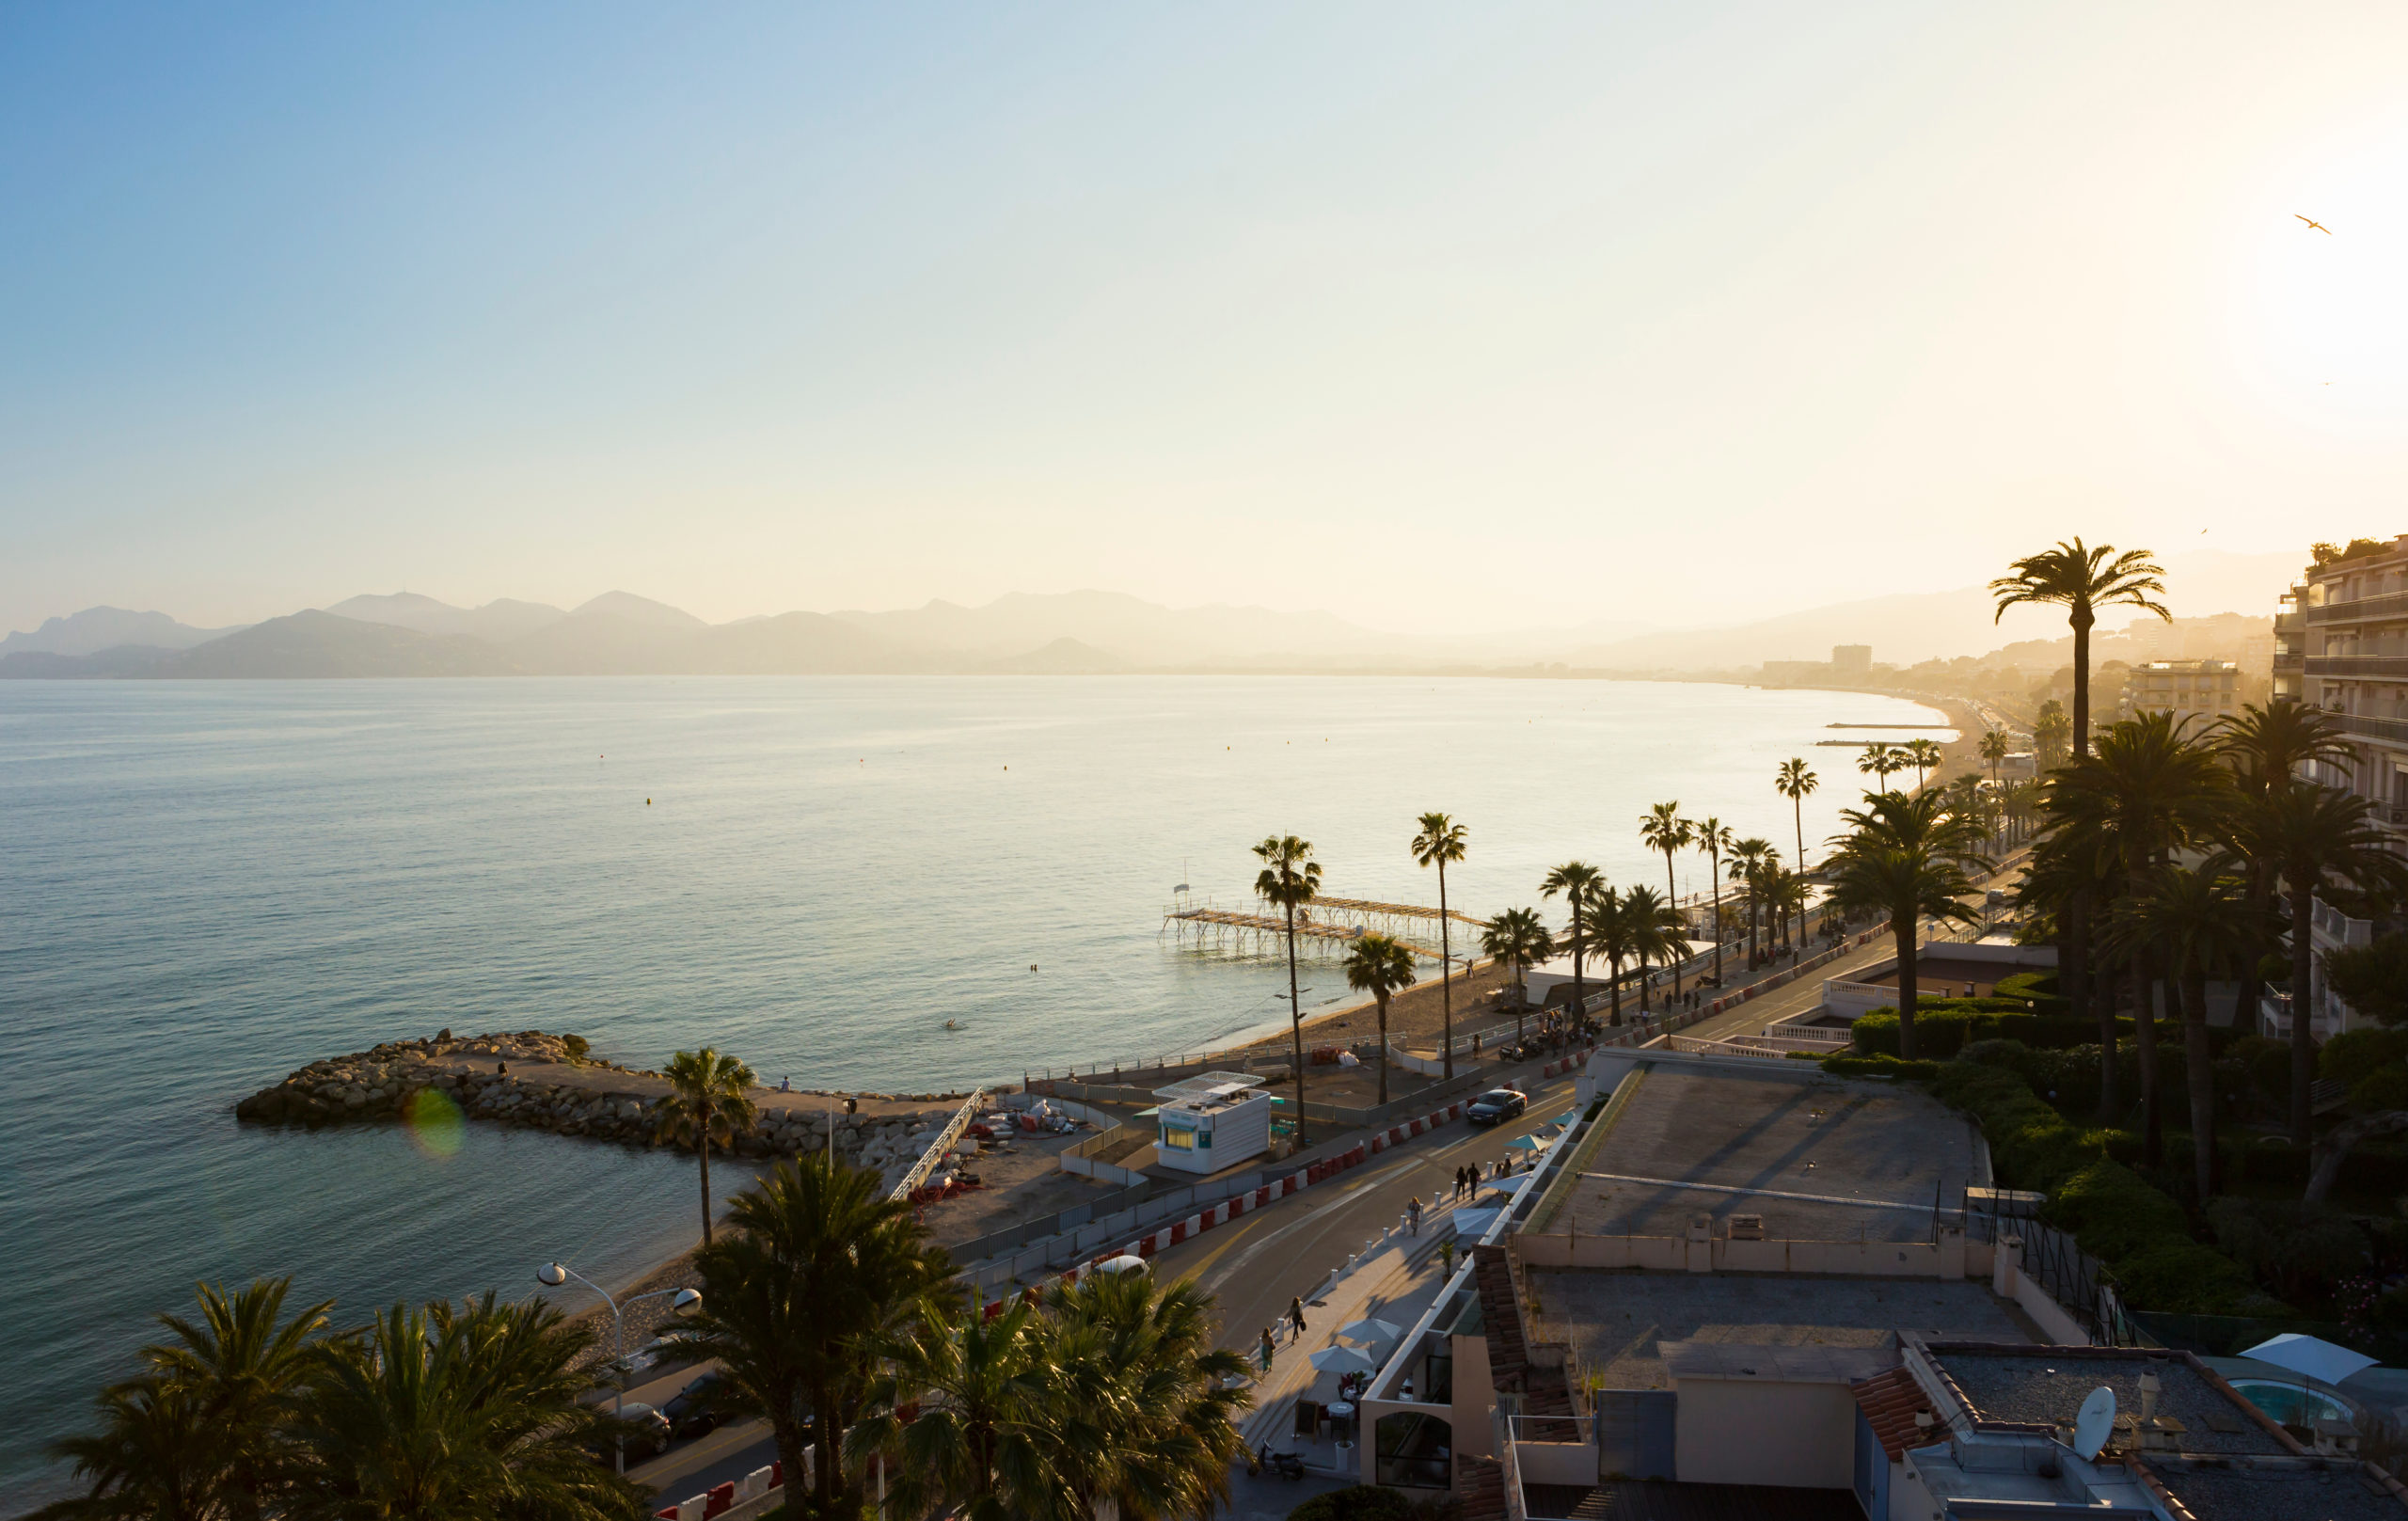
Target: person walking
column 1413, row 1212
column 1296, row 1316
column 1268, row 1347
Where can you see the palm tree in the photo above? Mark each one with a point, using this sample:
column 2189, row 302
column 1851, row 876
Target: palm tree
column 1380, row 965
column 2081, row 580
column 1925, row 756
column 2144, row 793
column 1996, row 747
column 1142, row 1351
column 822, row 1271
column 2051, row 734
column 1608, row 931
column 1576, row 881
column 1517, row 936
column 2201, row 919
column 1654, row 928
column 1441, row 840
column 709, row 1098
column 196, row 1433
column 2315, row 836
column 1785, row 893
column 1794, row 781
column 1747, row 859
column 988, row 1444
column 1664, row 830
column 1290, row 879
column 1904, row 857
column 445, row 1412
column 1711, row 835
column 1880, row 760
column 155, row 1458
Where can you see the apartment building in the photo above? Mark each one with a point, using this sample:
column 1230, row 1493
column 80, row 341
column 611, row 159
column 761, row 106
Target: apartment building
column 2341, row 643
column 2196, row 692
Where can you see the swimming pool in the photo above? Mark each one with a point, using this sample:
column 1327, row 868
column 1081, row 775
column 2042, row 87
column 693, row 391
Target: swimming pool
column 2284, row 1402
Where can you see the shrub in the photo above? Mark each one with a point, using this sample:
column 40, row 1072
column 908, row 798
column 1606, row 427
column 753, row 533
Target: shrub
column 1883, row 1065
column 1362, row 1502
column 2269, row 1062
column 1996, row 1051
column 2354, row 1053
column 2036, row 986
column 1942, row 1025
column 2300, row 1250
column 2139, row 1232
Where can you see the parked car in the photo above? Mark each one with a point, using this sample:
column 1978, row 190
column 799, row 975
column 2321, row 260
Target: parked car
column 647, row 1436
column 1494, row 1105
column 692, row 1411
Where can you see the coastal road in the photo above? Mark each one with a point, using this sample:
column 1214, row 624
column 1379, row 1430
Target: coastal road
column 1254, row 1267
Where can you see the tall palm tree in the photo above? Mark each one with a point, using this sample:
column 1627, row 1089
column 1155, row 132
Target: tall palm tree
column 1576, row 881
column 2051, row 734
column 1924, row 755
column 1141, row 1350
column 1517, row 936
column 2081, row 579
column 1904, row 857
column 1607, row 929
column 1880, row 760
column 439, row 1411
column 154, row 1458
column 1747, row 858
column 1711, row 835
column 2271, row 749
column 1440, row 841
column 2143, row 793
column 1380, row 965
column 709, row 1098
column 2201, row 919
column 822, row 1271
column 2316, row 836
column 1655, row 933
column 1794, row 781
column 1664, row 830
column 1290, row 879
column 1996, row 747
column 1785, row 893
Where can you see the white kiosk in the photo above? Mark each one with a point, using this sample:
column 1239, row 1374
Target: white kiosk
column 1213, row 1121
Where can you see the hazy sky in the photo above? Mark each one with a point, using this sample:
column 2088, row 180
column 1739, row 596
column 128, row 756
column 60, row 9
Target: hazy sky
column 1440, row 317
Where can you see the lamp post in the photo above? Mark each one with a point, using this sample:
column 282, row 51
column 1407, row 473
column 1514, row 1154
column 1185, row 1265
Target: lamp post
column 684, row 1303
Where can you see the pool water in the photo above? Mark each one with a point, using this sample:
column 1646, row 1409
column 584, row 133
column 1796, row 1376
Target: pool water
column 2289, row 1403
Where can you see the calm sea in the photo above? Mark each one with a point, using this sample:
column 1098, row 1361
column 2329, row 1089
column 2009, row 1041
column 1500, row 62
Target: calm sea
column 208, row 883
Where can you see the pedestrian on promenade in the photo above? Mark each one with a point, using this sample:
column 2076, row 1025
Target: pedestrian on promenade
column 1268, row 1347
column 1296, row 1315
column 1413, row 1212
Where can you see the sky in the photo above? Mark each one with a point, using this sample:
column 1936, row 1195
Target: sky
column 1442, row 318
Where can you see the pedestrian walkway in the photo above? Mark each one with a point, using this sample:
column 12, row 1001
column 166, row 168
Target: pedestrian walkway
column 1395, row 1282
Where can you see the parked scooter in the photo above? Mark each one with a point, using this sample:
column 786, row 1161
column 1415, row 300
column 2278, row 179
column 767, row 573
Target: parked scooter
column 1286, row 1465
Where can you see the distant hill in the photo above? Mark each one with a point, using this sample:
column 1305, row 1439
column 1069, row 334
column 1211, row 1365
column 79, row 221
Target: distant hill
column 318, row 643
column 95, row 630
column 496, row 622
column 1063, row 657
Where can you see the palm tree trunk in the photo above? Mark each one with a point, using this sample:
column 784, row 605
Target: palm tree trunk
column 1446, row 983
column 1613, row 964
column 1382, row 1001
column 2074, row 981
column 1713, row 867
column 703, row 1140
column 825, row 1469
column 2145, row 1046
column 1642, row 985
column 2200, row 1070
column 1580, row 989
column 2302, row 1045
column 1797, row 806
column 1673, row 897
column 1296, row 1025
column 1904, row 930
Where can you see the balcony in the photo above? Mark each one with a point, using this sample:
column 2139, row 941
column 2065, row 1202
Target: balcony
column 2289, row 660
column 2371, row 727
column 2393, row 666
column 2335, row 928
column 2391, row 604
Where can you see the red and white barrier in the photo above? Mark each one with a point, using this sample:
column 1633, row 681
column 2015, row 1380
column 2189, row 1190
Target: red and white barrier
column 721, row 1498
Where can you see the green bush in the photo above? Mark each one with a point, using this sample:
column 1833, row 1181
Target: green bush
column 2140, row 1233
column 2036, row 987
column 1364, row 1503
column 1883, row 1065
column 2354, row 1053
column 1945, row 1025
column 1996, row 1051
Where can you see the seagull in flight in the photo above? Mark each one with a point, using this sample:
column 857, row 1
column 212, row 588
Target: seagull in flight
column 2314, row 223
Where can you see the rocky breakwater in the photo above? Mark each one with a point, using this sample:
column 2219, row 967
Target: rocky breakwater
column 551, row 1082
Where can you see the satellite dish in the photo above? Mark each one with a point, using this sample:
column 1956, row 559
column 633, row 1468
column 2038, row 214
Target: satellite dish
column 2096, row 1420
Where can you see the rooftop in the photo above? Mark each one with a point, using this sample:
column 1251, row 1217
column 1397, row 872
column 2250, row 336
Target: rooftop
column 1820, row 1158
column 1209, row 1090
column 1623, row 1327
column 2044, row 1387
column 2326, row 1489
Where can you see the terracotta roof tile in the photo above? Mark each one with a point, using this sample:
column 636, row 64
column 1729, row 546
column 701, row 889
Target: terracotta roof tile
column 1890, row 1401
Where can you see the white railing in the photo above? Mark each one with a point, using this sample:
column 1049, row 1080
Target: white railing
column 942, row 1147
column 1822, row 1040
column 1701, row 1046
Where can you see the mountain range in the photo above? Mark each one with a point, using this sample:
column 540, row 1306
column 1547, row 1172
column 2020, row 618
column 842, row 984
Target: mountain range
column 619, row 633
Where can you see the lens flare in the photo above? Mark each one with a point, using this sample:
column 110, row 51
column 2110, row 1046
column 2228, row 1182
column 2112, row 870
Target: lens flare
column 434, row 1122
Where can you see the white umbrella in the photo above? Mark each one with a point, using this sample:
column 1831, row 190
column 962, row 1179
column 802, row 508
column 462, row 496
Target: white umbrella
column 2311, row 1356
column 1525, row 1142
column 1123, row 1263
column 1342, row 1361
column 1371, row 1330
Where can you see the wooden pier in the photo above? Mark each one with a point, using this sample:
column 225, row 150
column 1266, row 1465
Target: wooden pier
column 1264, row 931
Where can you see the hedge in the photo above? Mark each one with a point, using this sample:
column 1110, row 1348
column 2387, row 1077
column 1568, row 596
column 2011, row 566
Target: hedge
column 1883, row 1065
column 1944, row 1026
column 2140, row 1234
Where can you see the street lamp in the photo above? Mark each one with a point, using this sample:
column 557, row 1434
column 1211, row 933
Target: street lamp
column 682, row 1302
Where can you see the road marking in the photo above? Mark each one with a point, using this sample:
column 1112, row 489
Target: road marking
column 1758, row 1193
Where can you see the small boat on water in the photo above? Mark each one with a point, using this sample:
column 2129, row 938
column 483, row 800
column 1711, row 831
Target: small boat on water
column 953, row 1024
